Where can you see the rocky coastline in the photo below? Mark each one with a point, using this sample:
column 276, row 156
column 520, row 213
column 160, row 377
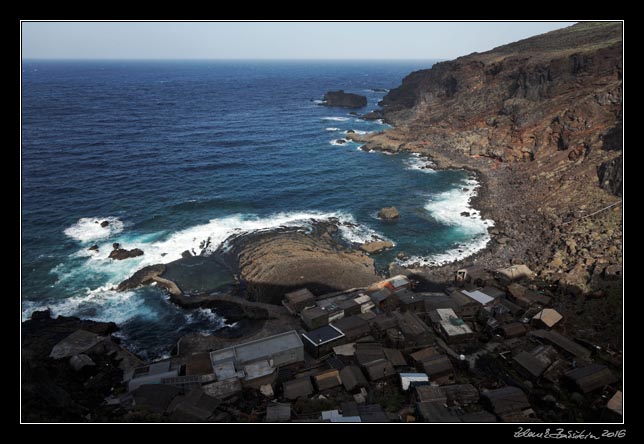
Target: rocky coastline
column 555, row 201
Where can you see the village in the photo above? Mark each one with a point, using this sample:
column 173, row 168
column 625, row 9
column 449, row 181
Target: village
column 487, row 349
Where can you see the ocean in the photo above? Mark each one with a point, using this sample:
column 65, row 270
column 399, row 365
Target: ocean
column 172, row 153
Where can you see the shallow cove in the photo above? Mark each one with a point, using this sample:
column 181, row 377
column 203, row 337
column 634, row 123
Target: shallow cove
column 174, row 154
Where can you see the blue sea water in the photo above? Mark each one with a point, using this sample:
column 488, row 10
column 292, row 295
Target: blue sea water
column 172, row 153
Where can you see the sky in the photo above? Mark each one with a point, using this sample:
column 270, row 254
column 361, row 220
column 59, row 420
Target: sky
column 270, row 40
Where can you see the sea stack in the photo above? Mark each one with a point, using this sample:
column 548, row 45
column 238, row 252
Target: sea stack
column 344, row 100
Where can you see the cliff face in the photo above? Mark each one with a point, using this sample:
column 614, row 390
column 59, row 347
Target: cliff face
column 542, row 120
column 529, row 100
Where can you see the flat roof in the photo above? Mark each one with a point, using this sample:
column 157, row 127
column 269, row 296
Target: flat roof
column 446, row 313
column 478, row 296
column 259, row 348
column 455, row 330
column 322, row 335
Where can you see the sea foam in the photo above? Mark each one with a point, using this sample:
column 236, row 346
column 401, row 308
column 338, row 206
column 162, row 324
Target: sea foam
column 446, row 207
column 89, row 228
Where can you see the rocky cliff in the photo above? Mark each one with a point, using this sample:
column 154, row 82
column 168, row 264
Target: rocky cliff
column 542, row 120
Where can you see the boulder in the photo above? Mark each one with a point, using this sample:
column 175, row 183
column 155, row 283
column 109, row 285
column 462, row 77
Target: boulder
column 121, row 253
column 344, row 100
column 376, row 247
column 340, row 141
column 186, row 253
column 93, row 248
column 465, row 214
column 78, row 342
column 105, row 224
column 388, row 213
column 79, row 362
column 350, row 131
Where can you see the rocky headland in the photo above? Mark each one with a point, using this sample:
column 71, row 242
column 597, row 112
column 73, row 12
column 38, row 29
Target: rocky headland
column 540, row 121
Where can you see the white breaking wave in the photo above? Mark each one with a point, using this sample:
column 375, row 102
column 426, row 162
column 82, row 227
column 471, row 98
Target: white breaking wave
column 319, row 101
column 332, row 129
column 336, row 119
column 358, row 132
column 89, row 228
column 335, row 142
column 100, row 304
column 447, row 207
column 418, row 163
column 103, row 303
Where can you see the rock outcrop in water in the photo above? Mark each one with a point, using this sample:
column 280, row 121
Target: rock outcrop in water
column 121, row 253
column 541, row 119
column 388, row 213
column 344, row 100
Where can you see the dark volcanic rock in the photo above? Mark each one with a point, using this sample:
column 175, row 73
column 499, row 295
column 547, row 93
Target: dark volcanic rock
column 186, row 254
column 344, row 100
column 388, row 213
column 373, row 115
column 121, row 253
column 340, row 141
column 70, row 390
column 105, row 224
column 142, row 277
column 610, row 175
column 93, row 248
column 273, row 263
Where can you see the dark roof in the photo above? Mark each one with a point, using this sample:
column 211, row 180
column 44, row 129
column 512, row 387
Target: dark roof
column 492, row 292
column 367, row 352
column 327, row 379
column 314, row 313
column 506, row 400
column 379, row 369
column 562, row 342
column 335, row 362
column 352, row 377
column 349, row 408
column 195, row 406
column 532, row 365
column 351, row 324
column 481, row 416
column 300, row 295
column 380, row 295
column 520, row 292
column 395, row 357
column 322, row 335
column 513, row 330
column 409, row 297
column 199, row 364
column 511, row 306
column 434, row 301
column 430, row 393
column 278, row 412
column 155, row 397
column 461, row 393
column 411, row 325
column 372, row 413
column 424, row 354
column 437, row 366
column 591, row 377
column 385, row 321
column 435, row 412
column 297, row 388
column 462, row 300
